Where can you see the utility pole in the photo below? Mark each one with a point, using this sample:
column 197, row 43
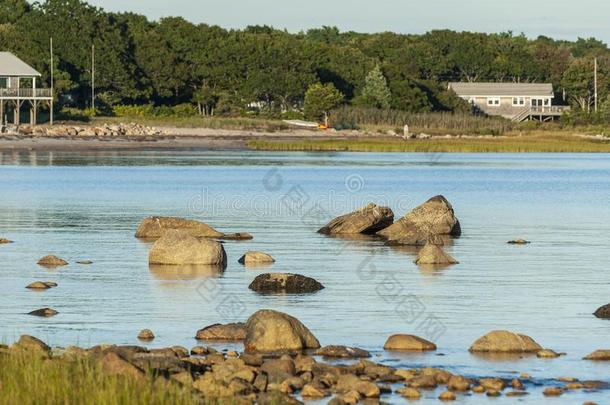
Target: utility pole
column 595, row 82
column 93, row 77
column 52, row 83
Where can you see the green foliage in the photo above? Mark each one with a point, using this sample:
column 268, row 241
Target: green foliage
column 376, row 93
column 148, row 111
column 320, row 99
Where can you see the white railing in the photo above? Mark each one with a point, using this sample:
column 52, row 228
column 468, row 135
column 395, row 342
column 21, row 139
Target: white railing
column 25, row 93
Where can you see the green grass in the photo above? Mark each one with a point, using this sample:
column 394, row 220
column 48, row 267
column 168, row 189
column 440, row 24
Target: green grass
column 507, row 144
column 239, row 123
column 29, row 379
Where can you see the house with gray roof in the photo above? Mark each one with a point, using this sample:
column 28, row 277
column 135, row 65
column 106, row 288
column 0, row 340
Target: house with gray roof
column 19, row 90
column 514, row 101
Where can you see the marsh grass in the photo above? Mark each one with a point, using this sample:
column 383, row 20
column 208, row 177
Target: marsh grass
column 508, row 144
column 238, row 123
column 30, row 379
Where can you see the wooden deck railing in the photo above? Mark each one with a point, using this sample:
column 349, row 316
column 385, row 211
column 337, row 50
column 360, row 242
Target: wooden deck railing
column 25, row 93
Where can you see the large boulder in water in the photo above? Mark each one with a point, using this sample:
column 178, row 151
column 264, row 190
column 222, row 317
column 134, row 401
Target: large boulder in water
column 272, row 331
column 285, row 283
column 603, row 312
column 503, row 341
column 155, row 227
column 434, row 254
column 367, row 220
column 434, row 217
column 180, row 247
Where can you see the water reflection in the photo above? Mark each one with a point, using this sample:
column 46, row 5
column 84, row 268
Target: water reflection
column 185, row 273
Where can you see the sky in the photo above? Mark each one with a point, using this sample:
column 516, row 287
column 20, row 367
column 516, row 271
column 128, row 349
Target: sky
column 561, row 19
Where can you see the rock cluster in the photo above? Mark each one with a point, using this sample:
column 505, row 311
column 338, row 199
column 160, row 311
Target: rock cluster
column 89, row 131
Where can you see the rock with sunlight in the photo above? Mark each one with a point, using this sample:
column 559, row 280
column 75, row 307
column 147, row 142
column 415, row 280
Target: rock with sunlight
column 255, row 258
column 271, row 331
column 366, row 220
column 285, row 283
column 155, row 227
column 227, row 332
column 434, row 254
column 408, row 343
column 503, row 341
column 177, row 247
column 52, row 261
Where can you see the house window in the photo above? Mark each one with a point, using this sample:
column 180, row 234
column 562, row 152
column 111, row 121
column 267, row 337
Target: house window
column 518, row 101
column 493, row 101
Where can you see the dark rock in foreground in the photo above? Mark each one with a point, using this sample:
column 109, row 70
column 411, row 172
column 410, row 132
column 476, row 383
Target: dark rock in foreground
column 285, row 283
column 228, row 332
column 366, row 220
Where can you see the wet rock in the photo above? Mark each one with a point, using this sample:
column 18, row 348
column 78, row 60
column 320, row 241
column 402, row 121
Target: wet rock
column 52, row 261
column 596, row 385
column 603, row 312
column 285, row 283
column 478, row 389
column 547, row 354
column 518, row 242
column 84, row 262
column 4, row 241
column 179, row 247
column 155, row 227
column 113, row 364
column 424, row 381
column 146, row 334
column 44, row 312
column 409, row 393
column 441, row 376
column 447, row 396
column 314, row 392
column 553, row 391
column 434, row 217
column 492, row 384
column 434, row 254
column 41, row 285
column 502, row 341
column 229, row 332
column 350, row 382
column 342, row 352
column 598, row 355
column 272, row 331
column 255, row 258
column 403, row 342
column 493, row 393
column 517, row 384
column 458, row 383
column 366, row 220
column 574, row 386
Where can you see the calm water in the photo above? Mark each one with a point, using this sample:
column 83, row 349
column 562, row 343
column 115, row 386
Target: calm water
column 87, row 206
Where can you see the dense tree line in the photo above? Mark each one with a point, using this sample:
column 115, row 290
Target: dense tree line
column 221, row 71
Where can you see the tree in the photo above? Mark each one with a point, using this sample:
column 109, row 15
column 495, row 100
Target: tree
column 376, row 93
column 578, row 82
column 321, row 99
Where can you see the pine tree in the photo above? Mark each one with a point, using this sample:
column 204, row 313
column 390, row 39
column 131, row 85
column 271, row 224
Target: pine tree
column 376, row 92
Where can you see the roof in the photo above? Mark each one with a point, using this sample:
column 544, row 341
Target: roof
column 10, row 65
column 502, row 89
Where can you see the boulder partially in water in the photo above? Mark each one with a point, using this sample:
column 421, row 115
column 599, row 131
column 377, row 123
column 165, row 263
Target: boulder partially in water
column 603, row 312
column 366, row 220
column 285, row 283
column 402, row 342
column 503, row 341
column 254, row 258
column 271, row 331
column 434, row 254
column 41, row 285
column 4, row 241
column 44, row 312
column 52, row 261
column 177, row 247
column 434, row 217
column 146, row 335
column 342, row 352
column 599, row 355
column 228, row 332
column 155, row 227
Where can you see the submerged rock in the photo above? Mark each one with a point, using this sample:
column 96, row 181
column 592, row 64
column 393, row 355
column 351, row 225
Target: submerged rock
column 179, row 248
column 342, row 352
column 598, row 355
column 52, row 261
column 285, row 283
column 408, row 343
column 502, row 341
column 146, row 334
column 547, row 354
column 155, row 227
column 434, row 217
column 519, row 242
column 433, row 254
column 44, row 312
column 603, row 312
column 272, row 331
column 84, row 262
column 367, row 220
column 256, row 258
column 228, row 332
column 41, row 285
